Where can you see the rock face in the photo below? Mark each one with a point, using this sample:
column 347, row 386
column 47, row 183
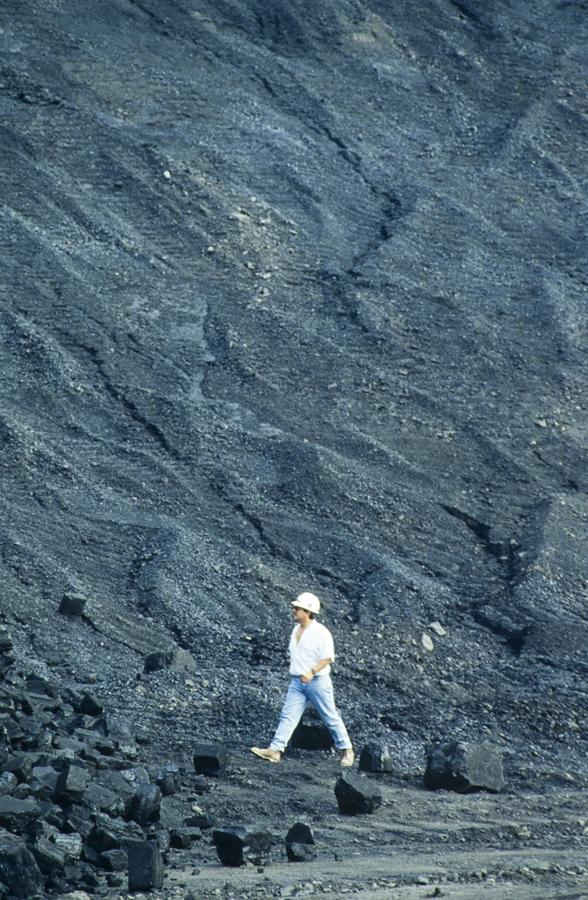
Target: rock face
column 464, row 767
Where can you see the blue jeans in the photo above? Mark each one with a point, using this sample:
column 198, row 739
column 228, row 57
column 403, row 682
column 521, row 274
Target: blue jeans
column 320, row 693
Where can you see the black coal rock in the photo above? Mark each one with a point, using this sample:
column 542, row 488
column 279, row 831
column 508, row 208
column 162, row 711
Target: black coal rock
column 210, row 759
column 240, row 844
column 145, row 866
column 145, row 804
column 19, row 871
column 376, row 758
column 72, row 604
column 464, row 767
column 300, row 843
column 357, row 795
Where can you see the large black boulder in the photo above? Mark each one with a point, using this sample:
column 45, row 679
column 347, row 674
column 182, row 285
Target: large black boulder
column 376, row 758
column 240, row 844
column 311, row 733
column 357, row 795
column 210, row 759
column 19, row 871
column 8, row 783
column 300, row 843
column 16, row 815
column 72, row 604
column 145, row 866
column 168, row 779
column 49, row 856
column 72, row 782
column 145, row 804
column 464, row 767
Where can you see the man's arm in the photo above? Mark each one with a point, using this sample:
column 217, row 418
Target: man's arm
column 308, row 676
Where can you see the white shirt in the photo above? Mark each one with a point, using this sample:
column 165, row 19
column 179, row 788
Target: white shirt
column 315, row 644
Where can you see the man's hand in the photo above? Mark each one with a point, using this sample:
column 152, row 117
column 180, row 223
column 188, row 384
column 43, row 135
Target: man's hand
column 308, row 676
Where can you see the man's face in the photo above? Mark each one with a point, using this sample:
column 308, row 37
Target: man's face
column 300, row 615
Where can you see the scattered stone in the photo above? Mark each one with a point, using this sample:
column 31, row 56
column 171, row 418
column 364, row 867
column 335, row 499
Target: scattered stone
column 19, row 872
column 90, row 706
column 101, row 798
column 357, row 795
column 182, row 838
column 16, row 815
column 145, row 804
column 427, row 643
column 168, row 779
column 5, row 640
column 145, row 866
column 8, row 783
column 464, row 767
column 199, row 820
column 49, row 856
column 44, row 782
column 438, row 629
column 200, row 785
column 72, row 782
column 376, row 758
column 112, row 834
column 134, row 777
column 70, row 844
column 113, row 860
column 176, row 659
column 210, row 759
column 72, row 604
column 300, row 843
column 240, row 844
column 117, row 730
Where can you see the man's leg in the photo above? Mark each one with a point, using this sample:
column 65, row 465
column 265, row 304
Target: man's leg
column 320, row 693
column 294, row 706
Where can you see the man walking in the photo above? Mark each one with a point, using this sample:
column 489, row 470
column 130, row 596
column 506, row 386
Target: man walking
column 311, row 652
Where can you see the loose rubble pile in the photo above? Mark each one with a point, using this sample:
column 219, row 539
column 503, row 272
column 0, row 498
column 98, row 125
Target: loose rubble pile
column 75, row 800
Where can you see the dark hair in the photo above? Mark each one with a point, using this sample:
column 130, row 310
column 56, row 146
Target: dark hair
column 310, row 615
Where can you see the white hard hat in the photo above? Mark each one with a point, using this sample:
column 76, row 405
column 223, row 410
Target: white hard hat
column 309, row 602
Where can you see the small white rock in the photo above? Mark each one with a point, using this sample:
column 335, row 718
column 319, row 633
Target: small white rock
column 167, row 174
column 437, row 627
column 427, row 643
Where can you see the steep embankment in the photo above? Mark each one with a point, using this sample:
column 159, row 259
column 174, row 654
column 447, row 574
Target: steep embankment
column 294, row 296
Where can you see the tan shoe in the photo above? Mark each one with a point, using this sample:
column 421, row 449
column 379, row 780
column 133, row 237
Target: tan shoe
column 346, row 758
column 273, row 756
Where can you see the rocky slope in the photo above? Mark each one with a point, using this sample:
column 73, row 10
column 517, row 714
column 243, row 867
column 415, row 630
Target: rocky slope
column 294, row 297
